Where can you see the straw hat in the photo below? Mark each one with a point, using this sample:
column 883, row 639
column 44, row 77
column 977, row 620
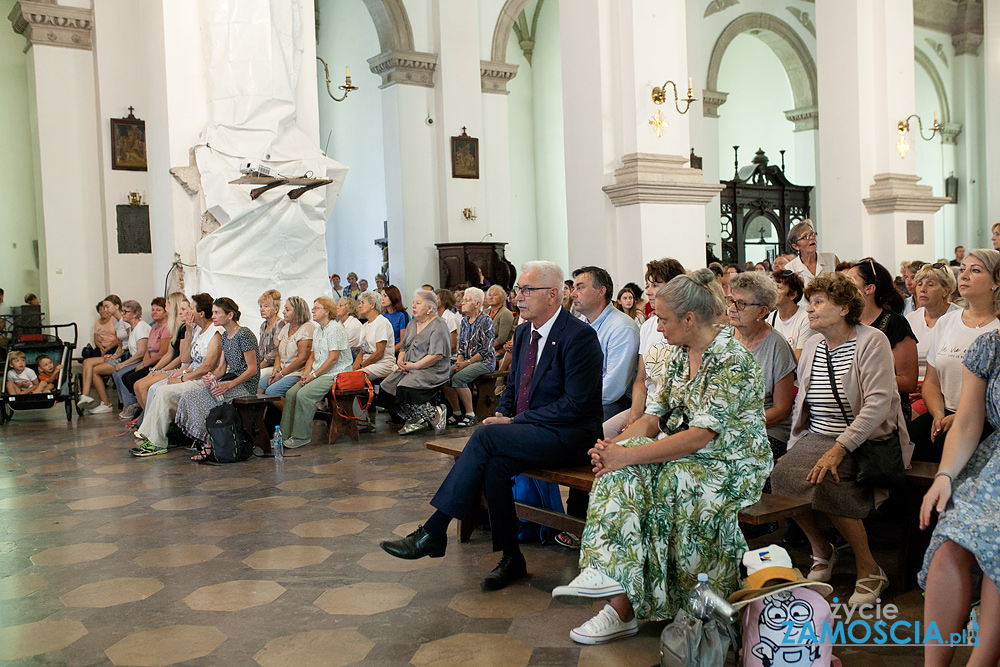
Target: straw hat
column 770, row 570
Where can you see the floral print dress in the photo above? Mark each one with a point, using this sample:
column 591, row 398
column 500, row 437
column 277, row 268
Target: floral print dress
column 970, row 518
column 654, row 527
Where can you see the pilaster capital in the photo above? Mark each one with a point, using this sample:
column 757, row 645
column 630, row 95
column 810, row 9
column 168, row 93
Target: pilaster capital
column 495, row 76
column 711, row 100
column 967, row 43
column 653, row 178
column 805, row 118
column 405, row 67
column 900, row 192
column 950, row 132
column 45, row 22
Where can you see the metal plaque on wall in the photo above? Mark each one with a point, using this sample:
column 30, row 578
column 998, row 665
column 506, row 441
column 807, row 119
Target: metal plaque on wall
column 133, row 229
column 914, row 232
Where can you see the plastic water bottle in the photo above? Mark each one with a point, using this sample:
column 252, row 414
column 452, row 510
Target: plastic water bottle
column 277, row 445
column 705, row 603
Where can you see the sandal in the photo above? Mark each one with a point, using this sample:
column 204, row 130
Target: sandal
column 822, row 568
column 869, row 595
column 203, row 455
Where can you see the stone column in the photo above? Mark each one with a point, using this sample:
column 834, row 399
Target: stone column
column 872, row 202
column 63, row 108
column 972, row 228
column 991, row 78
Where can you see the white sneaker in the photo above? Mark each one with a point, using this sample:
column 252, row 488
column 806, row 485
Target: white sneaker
column 101, row 409
column 84, row 400
column 870, row 595
column 128, row 412
column 589, row 584
column 292, row 443
column 605, row 627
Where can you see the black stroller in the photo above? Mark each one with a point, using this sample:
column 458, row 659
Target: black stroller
column 34, row 341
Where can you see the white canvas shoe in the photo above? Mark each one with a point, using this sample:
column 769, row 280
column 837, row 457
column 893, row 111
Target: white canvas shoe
column 101, row 409
column 589, row 584
column 84, row 400
column 605, row 627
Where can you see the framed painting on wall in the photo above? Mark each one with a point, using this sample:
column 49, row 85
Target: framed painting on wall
column 464, row 156
column 128, row 143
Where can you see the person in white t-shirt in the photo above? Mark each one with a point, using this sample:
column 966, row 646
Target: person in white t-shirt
column 954, row 332
column 137, row 338
column 20, row 379
column 347, row 315
column 788, row 319
column 375, row 357
column 932, row 288
column 810, row 263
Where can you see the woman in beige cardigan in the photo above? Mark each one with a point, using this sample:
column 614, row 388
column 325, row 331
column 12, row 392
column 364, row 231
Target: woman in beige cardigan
column 820, row 465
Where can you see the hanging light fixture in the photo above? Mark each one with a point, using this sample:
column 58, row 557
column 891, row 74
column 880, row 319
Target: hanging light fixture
column 904, row 126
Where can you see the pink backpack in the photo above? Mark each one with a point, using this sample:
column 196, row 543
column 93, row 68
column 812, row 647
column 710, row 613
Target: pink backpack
column 773, row 626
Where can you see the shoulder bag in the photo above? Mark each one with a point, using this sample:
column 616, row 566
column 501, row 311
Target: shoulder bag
column 352, row 381
column 879, row 462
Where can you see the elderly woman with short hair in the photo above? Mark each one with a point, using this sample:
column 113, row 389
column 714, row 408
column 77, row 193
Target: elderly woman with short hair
column 476, row 356
column 347, row 314
column 809, row 263
column 668, row 489
column 270, row 329
column 932, row 289
column 375, row 357
column 423, row 367
column 847, row 397
column 503, row 319
column 294, row 346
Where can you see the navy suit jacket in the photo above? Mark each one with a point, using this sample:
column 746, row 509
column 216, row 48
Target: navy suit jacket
column 566, row 386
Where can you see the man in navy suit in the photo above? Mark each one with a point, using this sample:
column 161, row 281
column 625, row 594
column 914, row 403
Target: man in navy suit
column 549, row 416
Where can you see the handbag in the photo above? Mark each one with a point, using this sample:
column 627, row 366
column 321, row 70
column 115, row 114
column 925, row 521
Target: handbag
column 688, row 641
column 352, row 381
column 879, row 463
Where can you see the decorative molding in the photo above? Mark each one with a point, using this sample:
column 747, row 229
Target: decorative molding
column 806, row 118
column 924, row 61
column 53, row 25
column 716, row 6
column 949, row 134
column 495, row 76
column 405, row 67
column 526, row 34
column 803, row 18
column 501, row 31
column 967, row 43
column 653, row 178
column 711, row 100
column 938, row 48
column 949, row 16
column 899, row 192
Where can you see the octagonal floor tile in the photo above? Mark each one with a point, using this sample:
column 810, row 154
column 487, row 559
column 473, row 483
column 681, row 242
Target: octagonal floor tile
column 111, row 592
column 22, row 641
column 315, row 648
column 405, row 529
column 20, row 586
column 183, row 503
column 228, row 484
column 16, row 482
column 343, row 468
column 122, row 468
column 413, row 468
column 510, row 602
column 393, row 484
column 329, row 528
column 362, row 504
column 30, row 500
column 426, row 455
column 470, row 648
column 178, row 555
column 51, row 468
column 229, row 527
column 46, row 524
column 538, row 560
column 380, row 561
column 166, row 646
column 272, row 503
column 101, row 502
column 359, row 455
column 308, row 484
column 234, row 595
column 74, row 553
column 75, row 483
column 636, row 652
column 365, row 599
column 286, row 558
column 136, row 525
column 151, row 484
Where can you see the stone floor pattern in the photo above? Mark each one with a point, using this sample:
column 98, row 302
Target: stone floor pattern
column 107, row 559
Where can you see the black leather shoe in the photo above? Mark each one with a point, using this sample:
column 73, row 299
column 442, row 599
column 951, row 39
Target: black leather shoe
column 507, row 571
column 415, row 545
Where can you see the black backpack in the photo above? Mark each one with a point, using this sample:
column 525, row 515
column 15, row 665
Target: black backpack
column 230, row 442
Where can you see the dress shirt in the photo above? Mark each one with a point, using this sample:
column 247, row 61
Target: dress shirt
column 543, row 331
column 619, row 337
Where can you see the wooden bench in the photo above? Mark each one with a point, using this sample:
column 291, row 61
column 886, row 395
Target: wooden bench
column 252, row 409
column 487, row 400
column 769, row 508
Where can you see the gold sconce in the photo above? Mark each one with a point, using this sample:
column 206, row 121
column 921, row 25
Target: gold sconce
column 660, row 96
column 904, row 126
column 347, row 87
column 134, row 199
column 469, row 214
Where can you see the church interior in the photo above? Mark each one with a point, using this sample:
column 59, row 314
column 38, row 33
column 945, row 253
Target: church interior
column 236, row 146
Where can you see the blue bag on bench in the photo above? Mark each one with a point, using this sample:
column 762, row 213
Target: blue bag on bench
column 538, row 494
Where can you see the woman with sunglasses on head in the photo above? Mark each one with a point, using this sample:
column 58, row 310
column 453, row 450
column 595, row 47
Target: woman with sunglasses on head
column 882, row 311
column 952, row 335
column 809, row 263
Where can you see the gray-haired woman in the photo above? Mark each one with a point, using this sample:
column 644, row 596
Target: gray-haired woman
column 476, row 356
column 809, row 263
column 423, row 367
column 377, row 338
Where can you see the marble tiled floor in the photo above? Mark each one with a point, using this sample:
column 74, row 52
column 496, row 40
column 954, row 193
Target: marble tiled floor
column 107, row 559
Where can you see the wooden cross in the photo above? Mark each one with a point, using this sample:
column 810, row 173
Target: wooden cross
column 130, row 110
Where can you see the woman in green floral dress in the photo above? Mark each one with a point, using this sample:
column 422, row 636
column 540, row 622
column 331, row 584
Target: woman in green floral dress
column 668, row 491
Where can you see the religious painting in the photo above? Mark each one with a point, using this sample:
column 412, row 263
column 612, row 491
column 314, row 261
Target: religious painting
column 464, row 156
column 128, row 143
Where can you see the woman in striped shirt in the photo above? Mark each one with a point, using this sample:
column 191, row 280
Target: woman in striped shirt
column 847, row 396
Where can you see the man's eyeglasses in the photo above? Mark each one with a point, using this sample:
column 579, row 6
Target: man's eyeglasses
column 527, row 289
column 739, row 305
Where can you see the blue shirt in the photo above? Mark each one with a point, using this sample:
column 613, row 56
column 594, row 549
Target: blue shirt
column 619, row 337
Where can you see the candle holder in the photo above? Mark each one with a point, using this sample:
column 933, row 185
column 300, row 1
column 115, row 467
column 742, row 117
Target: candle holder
column 904, row 126
column 660, row 96
column 347, row 87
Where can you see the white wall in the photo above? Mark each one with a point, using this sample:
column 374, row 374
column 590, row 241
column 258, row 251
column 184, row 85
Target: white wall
column 353, row 128
column 19, row 273
column 523, row 194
